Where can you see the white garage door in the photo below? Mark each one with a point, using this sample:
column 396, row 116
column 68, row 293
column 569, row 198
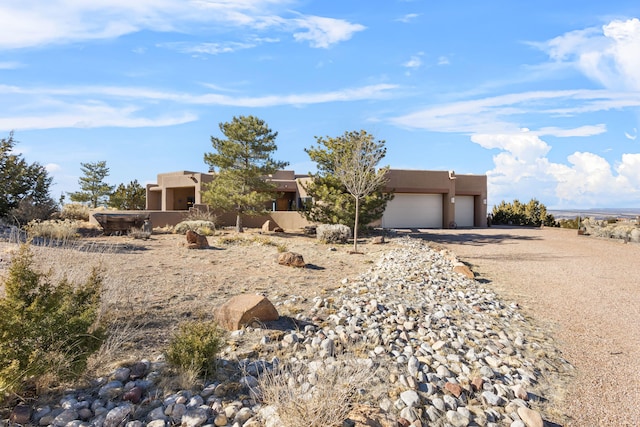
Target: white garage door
column 413, row 211
column 464, row 211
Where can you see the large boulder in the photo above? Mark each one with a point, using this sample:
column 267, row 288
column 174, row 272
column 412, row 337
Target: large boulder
column 291, row 259
column 244, row 309
column 196, row 241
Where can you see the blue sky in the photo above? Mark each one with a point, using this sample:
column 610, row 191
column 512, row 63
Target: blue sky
column 543, row 97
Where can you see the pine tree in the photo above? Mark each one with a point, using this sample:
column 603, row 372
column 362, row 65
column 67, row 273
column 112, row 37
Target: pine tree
column 241, row 163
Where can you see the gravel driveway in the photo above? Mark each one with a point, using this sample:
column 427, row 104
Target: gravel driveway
column 586, row 290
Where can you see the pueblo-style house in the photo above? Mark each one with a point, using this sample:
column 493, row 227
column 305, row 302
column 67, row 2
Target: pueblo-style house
column 423, row 199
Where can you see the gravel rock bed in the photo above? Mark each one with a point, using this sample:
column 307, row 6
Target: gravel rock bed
column 412, row 338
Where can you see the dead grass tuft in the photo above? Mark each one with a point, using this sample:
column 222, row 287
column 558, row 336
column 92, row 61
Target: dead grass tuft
column 319, row 397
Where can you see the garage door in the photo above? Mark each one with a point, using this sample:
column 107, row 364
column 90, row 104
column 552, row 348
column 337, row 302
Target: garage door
column 413, row 211
column 464, row 211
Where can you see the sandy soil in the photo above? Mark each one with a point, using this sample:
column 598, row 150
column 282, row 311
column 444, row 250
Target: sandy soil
column 587, row 290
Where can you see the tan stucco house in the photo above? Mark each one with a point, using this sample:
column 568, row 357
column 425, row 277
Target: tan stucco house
column 423, row 199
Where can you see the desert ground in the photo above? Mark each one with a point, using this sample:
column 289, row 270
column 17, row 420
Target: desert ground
column 584, row 291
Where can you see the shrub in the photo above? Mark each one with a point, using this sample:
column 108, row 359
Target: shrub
column 206, row 228
column 75, row 211
column 196, row 214
column 571, row 223
column 195, row 347
column 53, row 229
column 46, row 330
column 533, row 213
column 333, row 233
column 326, row 403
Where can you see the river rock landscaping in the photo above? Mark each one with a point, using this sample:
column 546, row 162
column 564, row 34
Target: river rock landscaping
column 411, row 340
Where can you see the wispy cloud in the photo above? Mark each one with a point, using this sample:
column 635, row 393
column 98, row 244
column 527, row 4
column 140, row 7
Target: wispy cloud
column 632, row 136
column 502, row 113
column 72, row 107
column 10, row 65
column 31, row 23
column 409, row 17
column 414, row 62
column 443, row 60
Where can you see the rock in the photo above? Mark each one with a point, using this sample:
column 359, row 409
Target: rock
column 121, row 374
column 118, row 415
column 291, row 259
column 196, row 241
column 477, row 383
column 367, row 416
column 194, row 418
column 139, row 370
column 134, row 395
column 453, row 388
column 241, row 310
column 64, row 417
column 530, row 417
column 461, row 268
column 457, row 419
column 278, row 230
column 266, row 227
column 377, row 240
column 410, row 398
column 21, row 414
column 492, row 398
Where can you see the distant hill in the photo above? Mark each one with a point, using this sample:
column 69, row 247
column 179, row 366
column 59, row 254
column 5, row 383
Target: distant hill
column 599, row 213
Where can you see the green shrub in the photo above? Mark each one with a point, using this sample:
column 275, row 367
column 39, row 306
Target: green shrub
column 532, row 214
column 195, row 347
column 75, row 211
column 571, row 223
column 46, row 330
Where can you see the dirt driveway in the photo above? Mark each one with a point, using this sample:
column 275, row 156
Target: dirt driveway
column 587, row 290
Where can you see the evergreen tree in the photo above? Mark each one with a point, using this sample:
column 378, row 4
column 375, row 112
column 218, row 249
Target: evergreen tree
column 333, row 203
column 241, row 164
column 130, row 197
column 93, row 188
column 24, row 187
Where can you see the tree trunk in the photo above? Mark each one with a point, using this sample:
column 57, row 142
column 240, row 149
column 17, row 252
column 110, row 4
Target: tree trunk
column 239, row 228
column 355, row 226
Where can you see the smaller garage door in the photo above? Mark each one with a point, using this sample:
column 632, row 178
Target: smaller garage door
column 464, row 211
column 413, row 211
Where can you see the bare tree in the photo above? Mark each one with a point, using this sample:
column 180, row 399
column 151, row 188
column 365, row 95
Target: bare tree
column 356, row 169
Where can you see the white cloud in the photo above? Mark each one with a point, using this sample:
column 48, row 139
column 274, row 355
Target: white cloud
column 324, row 32
column 587, row 180
column 630, row 136
column 607, row 55
column 32, row 23
column 52, row 167
column 414, row 62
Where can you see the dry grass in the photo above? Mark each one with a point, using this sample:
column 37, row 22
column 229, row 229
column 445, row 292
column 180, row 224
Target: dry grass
column 315, row 398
